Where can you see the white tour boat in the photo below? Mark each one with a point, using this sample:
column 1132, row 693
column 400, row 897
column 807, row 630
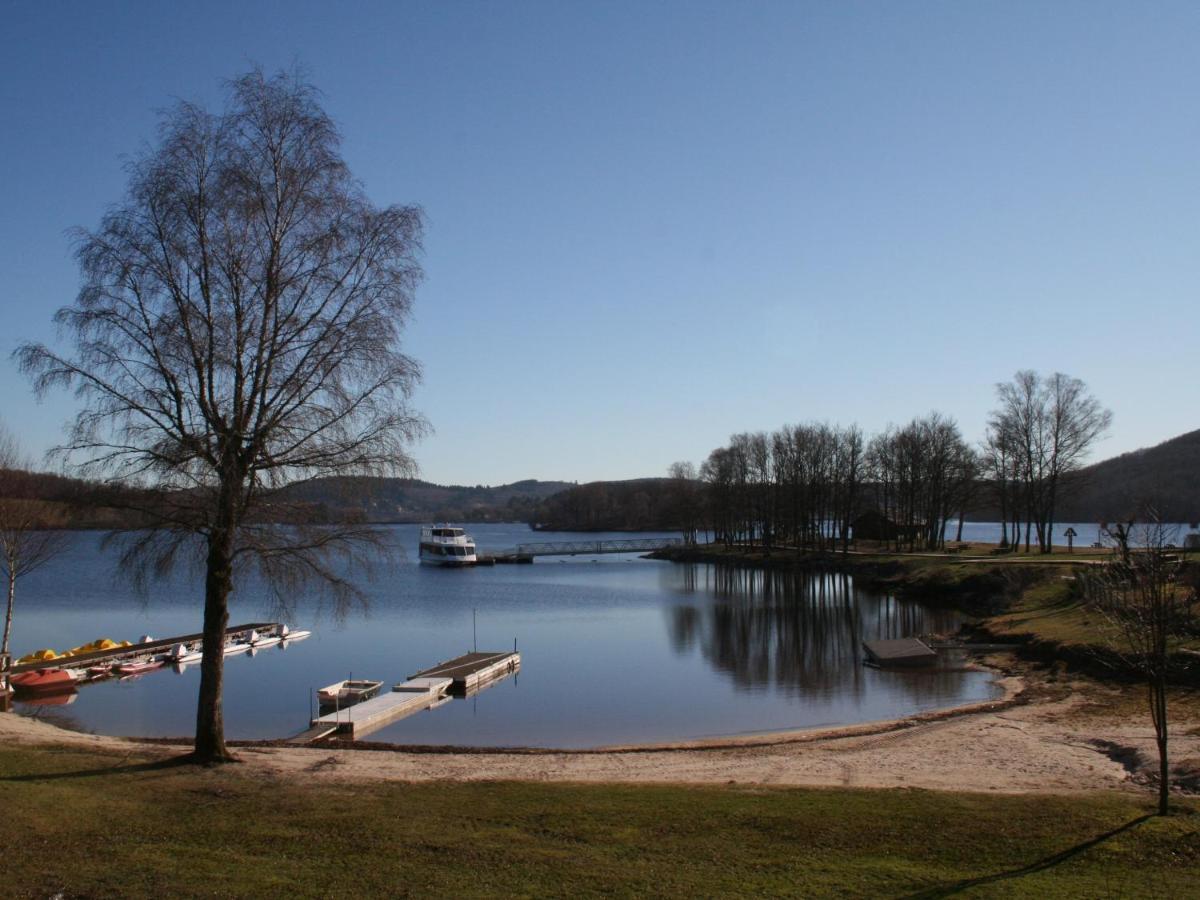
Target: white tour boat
column 445, row 545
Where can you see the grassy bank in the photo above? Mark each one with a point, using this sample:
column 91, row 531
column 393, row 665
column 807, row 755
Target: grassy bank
column 1027, row 599
column 88, row 824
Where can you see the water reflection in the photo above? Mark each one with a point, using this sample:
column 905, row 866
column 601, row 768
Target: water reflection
column 799, row 634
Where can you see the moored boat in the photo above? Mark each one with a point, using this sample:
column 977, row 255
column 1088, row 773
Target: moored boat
column 348, row 692
column 43, row 681
column 446, row 545
column 138, row 668
column 258, row 641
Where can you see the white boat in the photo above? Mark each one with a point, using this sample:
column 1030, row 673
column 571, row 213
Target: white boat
column 446, row 545
column 347, row 693
column 182, row 654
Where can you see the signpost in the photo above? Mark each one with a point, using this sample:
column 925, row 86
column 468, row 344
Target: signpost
column 1070, row 533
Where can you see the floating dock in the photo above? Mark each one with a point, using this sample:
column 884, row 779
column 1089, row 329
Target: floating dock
column 900, row 652
column 471, row 671
column 462, row 676
column 361, row 719
column 143, row 649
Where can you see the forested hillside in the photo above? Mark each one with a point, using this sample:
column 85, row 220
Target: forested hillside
column 1167, row 475
column 410, row 500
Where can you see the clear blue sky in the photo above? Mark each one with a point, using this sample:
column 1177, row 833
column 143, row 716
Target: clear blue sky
column 651, row 225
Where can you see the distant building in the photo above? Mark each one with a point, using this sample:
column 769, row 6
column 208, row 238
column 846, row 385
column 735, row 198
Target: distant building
column 875, row 526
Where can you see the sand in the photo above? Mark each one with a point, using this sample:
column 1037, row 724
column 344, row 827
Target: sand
column 1032, row 740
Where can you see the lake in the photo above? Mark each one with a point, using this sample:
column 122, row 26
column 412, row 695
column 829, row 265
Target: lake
column 615, row 649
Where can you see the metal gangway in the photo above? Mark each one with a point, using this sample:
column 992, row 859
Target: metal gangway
column 577, row 548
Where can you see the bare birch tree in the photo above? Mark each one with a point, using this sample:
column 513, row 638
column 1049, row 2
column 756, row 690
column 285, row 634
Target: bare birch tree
column 238, row 330
column 1149, row 610
column 1048, row 425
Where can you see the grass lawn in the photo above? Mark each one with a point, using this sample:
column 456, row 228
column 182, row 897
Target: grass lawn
column 1049, row 611
column 88, row 824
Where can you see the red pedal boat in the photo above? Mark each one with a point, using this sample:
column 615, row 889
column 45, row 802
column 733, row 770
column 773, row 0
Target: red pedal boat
column 138, row 668
column 43, row 681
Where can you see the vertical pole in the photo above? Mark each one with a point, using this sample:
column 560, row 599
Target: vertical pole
column 474, row 633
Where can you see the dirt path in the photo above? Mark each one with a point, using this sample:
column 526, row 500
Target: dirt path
column 1051, row 743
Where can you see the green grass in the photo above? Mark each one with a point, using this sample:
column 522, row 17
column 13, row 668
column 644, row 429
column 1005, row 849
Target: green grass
column 97, row 825
column 1048, row 611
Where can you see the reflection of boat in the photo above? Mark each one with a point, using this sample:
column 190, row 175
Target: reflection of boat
column 347, row 693
column 445, row 545
column 43, row 681
column 62, row 698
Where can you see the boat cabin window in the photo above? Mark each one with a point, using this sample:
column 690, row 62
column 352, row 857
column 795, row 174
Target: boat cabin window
column 447, row 532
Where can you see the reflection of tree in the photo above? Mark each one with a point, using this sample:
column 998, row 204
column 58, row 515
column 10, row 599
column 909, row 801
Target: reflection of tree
column 800, row 633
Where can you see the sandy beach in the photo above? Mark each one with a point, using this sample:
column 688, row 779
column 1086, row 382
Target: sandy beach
column 1062, row 738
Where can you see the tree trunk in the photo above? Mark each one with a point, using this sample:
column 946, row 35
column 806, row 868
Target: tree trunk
column 8, row 615
column 1160, row 736
column 210, row 722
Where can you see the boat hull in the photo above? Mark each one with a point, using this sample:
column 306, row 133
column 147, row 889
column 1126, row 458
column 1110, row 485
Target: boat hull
column 456, row 563
column 44, row 681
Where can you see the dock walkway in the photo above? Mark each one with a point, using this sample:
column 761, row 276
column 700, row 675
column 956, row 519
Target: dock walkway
column 463, row 676
column 472, row 670
column 524, row 553
column 371, row 715
column 145, row 648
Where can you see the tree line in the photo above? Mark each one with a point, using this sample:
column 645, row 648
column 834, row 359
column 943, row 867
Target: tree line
column 810, row 485
column 818, row 486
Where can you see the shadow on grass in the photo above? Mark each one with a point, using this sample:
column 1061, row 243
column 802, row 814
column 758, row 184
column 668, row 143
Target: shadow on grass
column 1041, row 865
column 117, row 768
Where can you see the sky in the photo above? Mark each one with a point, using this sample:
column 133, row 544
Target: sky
column 652, row 225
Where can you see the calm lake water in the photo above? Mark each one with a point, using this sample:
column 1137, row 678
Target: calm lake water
column 614, row 649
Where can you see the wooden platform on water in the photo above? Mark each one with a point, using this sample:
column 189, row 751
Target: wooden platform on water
column 361, row 719
column 472, row 670
column 463, row 676
column 900, row 652
column 146, row 648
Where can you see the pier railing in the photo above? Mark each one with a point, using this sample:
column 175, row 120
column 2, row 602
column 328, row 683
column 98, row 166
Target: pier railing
column 575, row 548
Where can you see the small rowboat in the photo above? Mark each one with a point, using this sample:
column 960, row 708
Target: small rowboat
column 43, row 681
column 138, row 668
column 347, row 693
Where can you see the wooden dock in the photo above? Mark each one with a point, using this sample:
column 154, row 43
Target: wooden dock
column 361, row 719
column 462, row 676
column 472, row 670
column 900, row 652
column 143, row 649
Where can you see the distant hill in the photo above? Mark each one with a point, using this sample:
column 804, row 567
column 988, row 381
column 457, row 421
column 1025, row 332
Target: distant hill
column 412, row 500
column 1167, row 475
column 640, row 504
